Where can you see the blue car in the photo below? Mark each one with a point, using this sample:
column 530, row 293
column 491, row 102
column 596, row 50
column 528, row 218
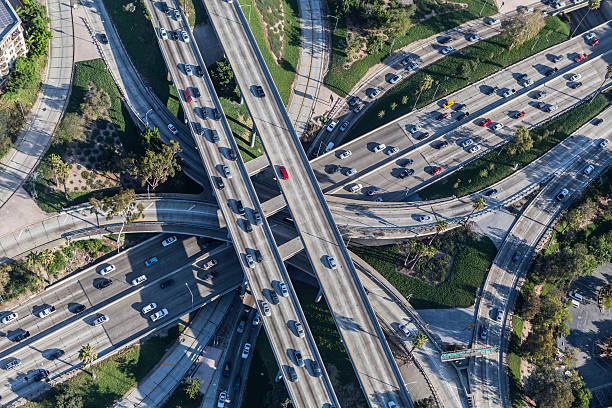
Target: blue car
column 151, row 261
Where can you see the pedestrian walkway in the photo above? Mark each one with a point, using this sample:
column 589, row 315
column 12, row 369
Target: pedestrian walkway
column 155, row 389
column 40, row 124
column 314, row 53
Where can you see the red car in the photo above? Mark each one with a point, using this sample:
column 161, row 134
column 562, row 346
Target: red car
column 485, row 122
column 187, row 95
column 519, row 115
column 594, row 42
column 436, row 170
column 443, row 116
column 580, row 57
column 283, row 172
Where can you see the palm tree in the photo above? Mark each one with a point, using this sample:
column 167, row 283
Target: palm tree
column 425, row 83
column 46, row 257
column 441, row 226
column 478, row 205
column 422, row 250
column 418, row 341
column 88, row 355
column 32, row 259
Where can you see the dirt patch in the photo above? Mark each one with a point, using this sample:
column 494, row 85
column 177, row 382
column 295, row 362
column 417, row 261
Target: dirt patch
column 273, row 22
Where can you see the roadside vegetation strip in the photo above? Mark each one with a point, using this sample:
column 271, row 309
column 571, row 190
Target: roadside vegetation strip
column 114, row 376
column 472, row 258
column 341, row 80
column 195, row 12
column 139, row 38
column 497, row 165
column 456, row 71
column 514, row 363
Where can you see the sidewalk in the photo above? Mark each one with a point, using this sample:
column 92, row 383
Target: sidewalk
column 314, row 54
column 155, row 389
column 36, row 134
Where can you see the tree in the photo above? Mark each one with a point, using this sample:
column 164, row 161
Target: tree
column 22, row 78
column 151, row 138
column 156, row 167
column 192, row 387
column 96, row 101
column 425, row 83
column 60, row 170
column 376, row 42
column 32, row 259
column 420, row 250
column 594, row 4
column 606, row 348
column 46, row 257
column 539, row 344
column 398, row 21
column 549, row 388
column 428, row 402
column 88, row 355
column 522, row 141
column 222, row 76
column 68, row 397
column 418, row 341
column 353, row 45
column 441, row 226
column 35, row 20
column 122, row 204
column 530, row 305
column 523, row 27
column 606, row 296
column 477, row 205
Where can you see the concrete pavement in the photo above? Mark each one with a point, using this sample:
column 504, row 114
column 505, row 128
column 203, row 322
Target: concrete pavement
column 34, row 138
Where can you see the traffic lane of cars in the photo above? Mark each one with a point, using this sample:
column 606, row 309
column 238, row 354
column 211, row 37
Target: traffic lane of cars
column 388, row 135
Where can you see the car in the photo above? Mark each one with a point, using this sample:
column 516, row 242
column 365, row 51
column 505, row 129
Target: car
column 378, row 199
column 196, row 92
column 331, row 262
column 551, row 71
column 379, row 147
column 226, row 171
column 516, row 256
column 575, row 77
column 100, row 320
column 391, row 150
column 46, row 311
column 216, row 114
column 283, row 289
column 256, row 320
column 40, row 374
column 403, row 329
column 174, row 35
column 219, row 182
column 151, row 261
column 405, row 173
column 462, row 115
column 508, row 92
column 467, row 142
column 423, row 218
column 297, row 356
column 597, row 121
column 177, row 14
column 575, row 85
column 159, row 314
column 331, row 126
column 556, row 58
column 163, row 33
column 374, row 93
column 103, row 38
column 344, row 154
column 394, row 78
column 551, row 108
column 421, row 135
column 407, row 162
column 78, row 309
column 299, row 329
column 483, row 333
column 231, row 153
column 350, row 171
column 188, row 69
column 357, row 108
column 291, row 374
column 414, row 128
column 166, row 284
column 259, row 92
column 519, row 115
column 265, row 308
column 185, row 36
column 139, row 280
column 491, row 20
column 164, row 7
column 21, row 336
column 221, row 400
column 590, row 36
column 580, row 57
column 490, row 192
column 246, row 350
column 588, row 169
column 559, row 5
column 412, row 66
column 445, row 39
column 12, row 364
column 283, row 173
column 149, row 307
column 485, row 122
column 405, row 61
column 103, row 283
column 352, row 100
column 57, row 353
column 169, row 241
column 604, row 143
column 442, row 116
column 448, row 104
column 441, row 145
column 499, row 315
column 373, row 190
column 498, row 126
column 257, row 255
column 315, row 369
column 540, row 105
column 107, row 269
column 474, row 37
column 436, row 170
column 594, row 42
column 540, row 94
column 527, row 82
column 562, row 194
column 213, row 135
column 199, row 71
column 273, row 297
column 239, row 207
column 187, row 95
column 257, row 220
column 344, row 126
column 172, row 129
column 446, row 50
column 474, row 149
column 249, row 260
column 247, row 225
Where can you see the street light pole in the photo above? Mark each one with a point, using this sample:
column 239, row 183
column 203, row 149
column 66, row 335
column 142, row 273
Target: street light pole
column 191, row 293
column 147, row 116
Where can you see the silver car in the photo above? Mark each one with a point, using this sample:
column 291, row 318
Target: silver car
column 100, row 320
column 249, row 260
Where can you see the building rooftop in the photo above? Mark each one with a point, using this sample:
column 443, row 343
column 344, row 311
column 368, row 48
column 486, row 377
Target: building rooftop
column 8, row 18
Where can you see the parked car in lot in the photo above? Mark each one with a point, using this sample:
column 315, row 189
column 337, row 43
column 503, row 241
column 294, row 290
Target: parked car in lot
column 344, row 154
column 575, row 77
column 412, row 66
column 187, row 94
column 315, row 369
column 539, row 94
column 446, row 50
column 159, row 314
column 594, row 42
column 491, row 192
column 259, row 92
column 331, row 262
column 590, row 36
column 379, row 147
column 491, row 20
column 580, row 57
column 167, row 283
column 12, row 364
column 442, row 116
column 374, row 93
column 462, row 115
column 163, row 33
column 102, row 283
column 441, row 145
column 483, row 333
column 249, row 260
column 474, row 149
column 405, row 173
column 551, row 71
column 282, row 288
column 331, row 126
column 226, row 171
column 222, row 399
column 485, row 122
column 185, row 36
column 394, row 78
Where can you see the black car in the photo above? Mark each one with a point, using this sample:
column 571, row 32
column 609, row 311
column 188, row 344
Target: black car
column 199, row 71
column 196, row 92
column 407, row 162
column 421, row 135
column 23, row 335
column 216, row 114
column 174, row 35
column 232, row 154
column 79, row 308
column 56, row 354
column 259, row 91
column 445, row 39
column 462, row 115
column 273, row 297
column 166, row 283
column 557, row 58
column 540, row 105
column 40, row 375
column 490, row 192
column 219, row 182
column 247, row 225
column 103, row 38
column 458, row 106
column 357, row 108
column 575, row 85
column 405, row 173
column 164, row 7
column 551, row 71
column 442, row 145
column 597, row 121
column 103, row 283
column 333, row 168
column 540, row 94
column 257, row 255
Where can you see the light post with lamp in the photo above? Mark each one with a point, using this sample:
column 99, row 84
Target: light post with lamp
column 191, row 293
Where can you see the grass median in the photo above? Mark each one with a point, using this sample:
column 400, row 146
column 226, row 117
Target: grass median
column 495, row 166
column 456, row 71
column 342, row 80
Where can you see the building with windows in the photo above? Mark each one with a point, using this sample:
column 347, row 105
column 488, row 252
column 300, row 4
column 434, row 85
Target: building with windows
column 12, row 43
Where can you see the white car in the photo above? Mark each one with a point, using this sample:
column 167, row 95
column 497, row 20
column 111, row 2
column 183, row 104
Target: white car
column 590, row 36
column 139, row 280
column 588, row 169
column 467, row 142
column 246, row 350
column 559, row 5
column 551, row 108
column 491, row 20
column 379, row 147
column 423, row 218
column 185, row 36
column 355, row 188
column 256, row 319
column 575, row 77
column 188, row 69
column 169, row 240
column 604, row 143
column 46, row 312
column 149, row 307
column 249, row 260
column 474, row 149
column 159, row 314
column 344, row 154
column 447, row 50
column 374, row 93
column 527, row 82
column 108, row 269
column 508, row 92
column 344, row 126
column 299, row 329
column 172, row 129
column 283, row 289
column 414, row 128
column 350, row 171
column 498, row 126
column 562, row 194
column 331, row 126
column 163, row 33
column 100, row 320
column 395, row 78
column 9, row 317
column 222, row 398
column 405, row 330
column 474, row 37
column 392, row 150
column 265, row 308
column 331, row 262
